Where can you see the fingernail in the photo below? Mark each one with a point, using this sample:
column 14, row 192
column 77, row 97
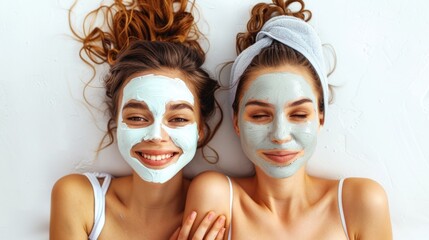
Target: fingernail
column 210, row 216
column 221, row 219
column 193, row 215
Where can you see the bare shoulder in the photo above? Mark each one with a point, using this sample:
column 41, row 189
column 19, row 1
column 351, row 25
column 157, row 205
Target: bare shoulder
column 72, row 181
column 71, row 207
column 366, row 209
column 71, row 190
column 210, row 181
column 208, row 189
column 208, row 192
column 364, row 193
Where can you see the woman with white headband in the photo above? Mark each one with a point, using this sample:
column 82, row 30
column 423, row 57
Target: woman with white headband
column 279, row 98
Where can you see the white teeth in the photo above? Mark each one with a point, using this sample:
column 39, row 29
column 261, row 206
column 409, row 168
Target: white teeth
column 157, row 157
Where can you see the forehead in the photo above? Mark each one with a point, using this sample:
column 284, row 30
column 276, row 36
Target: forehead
column 157, row 88
column 278, row 87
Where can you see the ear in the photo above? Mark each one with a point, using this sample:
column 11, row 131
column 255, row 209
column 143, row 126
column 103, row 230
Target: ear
column 201, row 134
column 321, row 119
column 235, row 123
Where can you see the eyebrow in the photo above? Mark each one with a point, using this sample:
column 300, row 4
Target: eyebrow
column 299, row 102
column 264, row 104
column 138, row 105
column 180, row 106
column 257, row 103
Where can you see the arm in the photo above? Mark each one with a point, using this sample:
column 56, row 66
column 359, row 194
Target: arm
column 71, row 208
column 208, row 195
column 367, row 211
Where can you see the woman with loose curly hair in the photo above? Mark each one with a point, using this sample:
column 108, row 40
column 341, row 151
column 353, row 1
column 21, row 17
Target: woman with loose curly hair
column 279, row 96
column 159, row 101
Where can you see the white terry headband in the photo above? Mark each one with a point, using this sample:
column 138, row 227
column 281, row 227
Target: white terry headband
column 292, row 32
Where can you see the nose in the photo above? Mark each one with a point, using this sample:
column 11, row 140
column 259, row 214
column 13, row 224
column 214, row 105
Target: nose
column 281, row 130
column 156, row 133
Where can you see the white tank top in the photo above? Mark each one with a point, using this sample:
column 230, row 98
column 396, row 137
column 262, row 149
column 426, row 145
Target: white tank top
column 99, row 201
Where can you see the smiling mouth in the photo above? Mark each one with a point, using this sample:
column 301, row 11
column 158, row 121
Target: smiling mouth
column 156, row 157
column 157, row 160
column 281, row 158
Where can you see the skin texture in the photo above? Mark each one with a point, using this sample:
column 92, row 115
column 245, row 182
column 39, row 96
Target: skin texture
column 296, row 207
column 135, row 209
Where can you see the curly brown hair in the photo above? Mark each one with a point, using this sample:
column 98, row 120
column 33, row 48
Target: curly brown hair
column 141, row 35
column 122, row 22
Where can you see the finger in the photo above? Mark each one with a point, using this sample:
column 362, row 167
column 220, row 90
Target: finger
column 221, row 234
column 175, row 234
column 216, row 228
column 187, row 225
column 204, row 226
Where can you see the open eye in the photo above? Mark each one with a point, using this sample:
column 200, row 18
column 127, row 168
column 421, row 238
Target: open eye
column 134, row 120
column 179, row 114
column 179, row 120
column 136, row 114
column 137, row 119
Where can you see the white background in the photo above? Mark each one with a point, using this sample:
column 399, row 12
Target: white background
column 377, row 127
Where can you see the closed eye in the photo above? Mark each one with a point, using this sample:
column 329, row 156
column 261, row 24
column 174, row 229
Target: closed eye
column 299, row 116
column 259, row 116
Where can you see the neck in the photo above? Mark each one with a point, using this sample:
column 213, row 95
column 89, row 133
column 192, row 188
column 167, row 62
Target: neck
column 170, row 195
column 283, row 196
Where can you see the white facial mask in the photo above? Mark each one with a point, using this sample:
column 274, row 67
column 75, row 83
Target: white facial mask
column 278, row 89
column 156, row 92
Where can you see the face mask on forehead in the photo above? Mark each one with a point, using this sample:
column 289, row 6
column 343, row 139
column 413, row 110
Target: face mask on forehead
column 278, row 90
column 157, row 92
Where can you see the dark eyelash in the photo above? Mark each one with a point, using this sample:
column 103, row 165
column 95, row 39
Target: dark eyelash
column 137, row 119
column 259, row 116
column 180, row 120
column 299, row 115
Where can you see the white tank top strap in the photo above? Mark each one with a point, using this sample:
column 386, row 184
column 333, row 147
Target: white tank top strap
column 99, row 201
column 340, row 207
column 231, row 196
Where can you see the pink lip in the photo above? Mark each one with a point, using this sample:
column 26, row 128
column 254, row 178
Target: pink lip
column 281, row 156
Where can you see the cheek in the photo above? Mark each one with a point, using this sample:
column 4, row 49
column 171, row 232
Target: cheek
column 128, row 138
column 185, row 137
column 305, row 134
column 254, row 135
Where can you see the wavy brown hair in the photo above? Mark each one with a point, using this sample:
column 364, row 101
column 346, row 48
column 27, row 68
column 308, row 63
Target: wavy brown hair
column 141, row 35
column 277, row 54
column 123, row 22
